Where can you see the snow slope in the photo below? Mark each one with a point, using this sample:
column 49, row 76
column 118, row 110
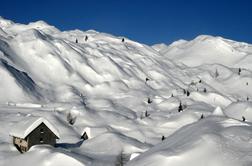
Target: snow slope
column 106, row 83
column 211, row 141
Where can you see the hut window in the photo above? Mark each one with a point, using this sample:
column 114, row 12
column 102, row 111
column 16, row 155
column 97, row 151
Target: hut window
column 41, row 140
column 42, row 130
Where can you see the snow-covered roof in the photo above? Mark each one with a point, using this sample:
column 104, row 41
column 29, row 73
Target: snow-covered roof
column 218, row 111
column 27, row 125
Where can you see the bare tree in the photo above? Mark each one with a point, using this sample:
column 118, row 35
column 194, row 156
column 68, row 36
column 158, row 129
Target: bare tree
column 83, row 100
column 147, row 114
column 121, row 159
column 71, row 119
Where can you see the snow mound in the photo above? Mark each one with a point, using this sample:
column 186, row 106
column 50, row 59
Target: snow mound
column 112, row 144
column 207, row 142
column 211, row 98
column 240, row 109
column 42, row 155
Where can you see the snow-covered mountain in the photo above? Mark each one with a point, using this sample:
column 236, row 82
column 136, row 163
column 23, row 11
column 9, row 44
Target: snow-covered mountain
column 126, row 95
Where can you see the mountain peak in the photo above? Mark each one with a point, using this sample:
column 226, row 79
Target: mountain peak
column 5, row 23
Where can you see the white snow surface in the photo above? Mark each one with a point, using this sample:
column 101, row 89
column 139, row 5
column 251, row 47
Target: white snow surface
column 218, row 111
column 28, row 124
column 102, row 84
column 208, row 142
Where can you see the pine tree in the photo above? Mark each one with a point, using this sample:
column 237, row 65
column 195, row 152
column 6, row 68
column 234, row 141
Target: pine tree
column 76, row 41
column 243, row 119
column 123, row 39
column 216, row 73
column 202, row 116
column 147, row 114
column 146, row 79
column 205, row 90
column 187, row 93
column 180, row 108
column 86, row 38
column 149, row 101
column 239, row 71
column 163, row 138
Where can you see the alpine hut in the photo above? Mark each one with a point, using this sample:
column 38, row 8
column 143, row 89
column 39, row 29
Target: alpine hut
column 33, row 131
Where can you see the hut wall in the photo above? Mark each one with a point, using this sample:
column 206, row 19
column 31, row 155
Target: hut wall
column 41, row 135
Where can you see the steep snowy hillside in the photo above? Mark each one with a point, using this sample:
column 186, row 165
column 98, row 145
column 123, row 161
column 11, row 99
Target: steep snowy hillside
column 126, row 96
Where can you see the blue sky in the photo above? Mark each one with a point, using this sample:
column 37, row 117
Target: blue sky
column 146, row 21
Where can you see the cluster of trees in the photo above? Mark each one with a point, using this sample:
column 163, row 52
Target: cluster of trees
column 149, row 101
column 186, row 92
column 147, row 114
column 86, row 39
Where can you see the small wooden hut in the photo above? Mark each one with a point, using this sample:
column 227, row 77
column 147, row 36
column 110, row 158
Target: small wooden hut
column 33, row 131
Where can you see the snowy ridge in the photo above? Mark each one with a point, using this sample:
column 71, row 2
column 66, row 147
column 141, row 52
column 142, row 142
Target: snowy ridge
column 209, row 50
column 127, row 96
